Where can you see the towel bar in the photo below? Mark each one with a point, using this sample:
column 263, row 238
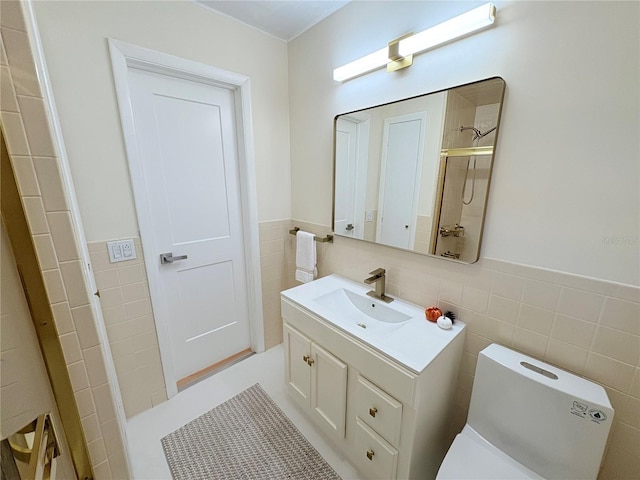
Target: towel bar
column 327, row 239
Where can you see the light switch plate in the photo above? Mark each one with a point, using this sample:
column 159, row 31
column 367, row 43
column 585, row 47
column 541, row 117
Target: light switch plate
column 121, row 250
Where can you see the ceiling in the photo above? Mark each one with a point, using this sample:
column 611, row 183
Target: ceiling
column 284, row 19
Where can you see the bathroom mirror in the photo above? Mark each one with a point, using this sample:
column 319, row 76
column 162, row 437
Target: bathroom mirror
column 414, row 174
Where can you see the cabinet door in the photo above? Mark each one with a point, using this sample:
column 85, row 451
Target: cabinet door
column 297, row 347
column 328, row 389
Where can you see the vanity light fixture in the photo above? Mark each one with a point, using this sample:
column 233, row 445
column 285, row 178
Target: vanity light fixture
column 398, row 53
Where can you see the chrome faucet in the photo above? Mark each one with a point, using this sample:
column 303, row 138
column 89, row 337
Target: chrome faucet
column 378, row 277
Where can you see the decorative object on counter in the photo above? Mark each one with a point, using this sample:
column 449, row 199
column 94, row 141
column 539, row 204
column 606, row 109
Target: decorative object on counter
column 446, row 321
column 433, row 313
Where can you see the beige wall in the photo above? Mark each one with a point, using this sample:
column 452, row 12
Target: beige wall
column 81, row 77
column 559, row 270
column 569, row 126
column 74, row 37
column 24, row 121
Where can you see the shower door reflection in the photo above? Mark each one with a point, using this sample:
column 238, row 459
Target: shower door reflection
column 466, row 182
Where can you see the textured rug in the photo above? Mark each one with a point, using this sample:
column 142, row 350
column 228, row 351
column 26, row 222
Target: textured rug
column 246, row 437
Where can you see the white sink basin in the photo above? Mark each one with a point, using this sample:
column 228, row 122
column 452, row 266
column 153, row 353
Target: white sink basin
column 397, row 329
column 363, row 310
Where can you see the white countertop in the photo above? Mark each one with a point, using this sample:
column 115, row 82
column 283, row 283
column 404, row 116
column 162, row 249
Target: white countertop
column 414, row 343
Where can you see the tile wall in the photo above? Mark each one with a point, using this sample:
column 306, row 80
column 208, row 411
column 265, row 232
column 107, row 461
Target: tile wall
column 584, row 325
column 422, row 241
column 25, row 124
column 127, row 313
column 277, row 261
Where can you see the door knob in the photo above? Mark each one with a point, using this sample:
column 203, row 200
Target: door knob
column 169, row 258
column 370, row 454
column 349, row 227
column 373, row 411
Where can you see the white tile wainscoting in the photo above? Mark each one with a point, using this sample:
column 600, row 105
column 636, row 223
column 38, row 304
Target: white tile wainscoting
column 128, row 316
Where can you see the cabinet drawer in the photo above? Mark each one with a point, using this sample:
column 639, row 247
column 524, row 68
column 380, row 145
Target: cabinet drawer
column 375, row 457
column 379, row 410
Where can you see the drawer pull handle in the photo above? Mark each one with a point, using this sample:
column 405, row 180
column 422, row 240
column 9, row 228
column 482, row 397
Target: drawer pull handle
column 370, row 454
column 311, row 361
column 373, row 411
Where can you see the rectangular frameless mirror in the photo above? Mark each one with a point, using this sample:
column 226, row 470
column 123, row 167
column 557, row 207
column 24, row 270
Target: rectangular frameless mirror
column 415, row 174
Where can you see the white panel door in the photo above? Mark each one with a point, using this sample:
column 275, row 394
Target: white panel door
column 345, row 175
column 400, row 180
column 187, row 144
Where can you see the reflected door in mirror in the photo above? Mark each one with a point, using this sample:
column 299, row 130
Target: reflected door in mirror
column 403, row 148
column 351, row 165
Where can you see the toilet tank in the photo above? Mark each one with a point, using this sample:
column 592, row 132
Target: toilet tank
column 549, row 420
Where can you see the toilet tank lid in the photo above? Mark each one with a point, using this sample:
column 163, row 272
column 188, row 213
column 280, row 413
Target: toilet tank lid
column 565, row 382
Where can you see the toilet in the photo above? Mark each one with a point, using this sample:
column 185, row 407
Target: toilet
column 528, row 419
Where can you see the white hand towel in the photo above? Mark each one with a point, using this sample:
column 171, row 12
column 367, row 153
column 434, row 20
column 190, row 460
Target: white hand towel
column 305, row 257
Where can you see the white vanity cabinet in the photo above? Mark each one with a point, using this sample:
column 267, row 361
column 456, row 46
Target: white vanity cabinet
column 317, row 380
column 391, row 422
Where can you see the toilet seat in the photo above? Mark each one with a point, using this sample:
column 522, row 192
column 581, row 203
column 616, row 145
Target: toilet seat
column 471, row 457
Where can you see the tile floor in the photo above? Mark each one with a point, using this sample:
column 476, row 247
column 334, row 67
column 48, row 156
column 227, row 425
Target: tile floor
column 145, row 430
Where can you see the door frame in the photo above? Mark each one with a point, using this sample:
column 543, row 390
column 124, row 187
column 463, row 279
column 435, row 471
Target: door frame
column 125, row 56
